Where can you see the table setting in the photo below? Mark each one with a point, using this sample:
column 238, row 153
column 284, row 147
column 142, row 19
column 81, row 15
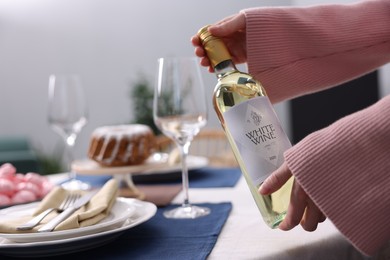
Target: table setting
column 103, row 214
column 126, row 214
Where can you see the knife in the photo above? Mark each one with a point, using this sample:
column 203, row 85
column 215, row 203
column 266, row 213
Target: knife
column 67, row 212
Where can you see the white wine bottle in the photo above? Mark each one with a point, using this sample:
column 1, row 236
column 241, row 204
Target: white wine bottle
column 251, row 126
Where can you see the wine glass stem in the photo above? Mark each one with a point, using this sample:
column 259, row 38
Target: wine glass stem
column 184, row 174
column 69, row 159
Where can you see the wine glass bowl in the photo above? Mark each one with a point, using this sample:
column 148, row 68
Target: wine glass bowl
column 181, row 129
column 67, row 115
column 180, row 111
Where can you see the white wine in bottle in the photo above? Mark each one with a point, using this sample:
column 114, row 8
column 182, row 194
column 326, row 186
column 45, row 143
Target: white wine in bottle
column 251, row 126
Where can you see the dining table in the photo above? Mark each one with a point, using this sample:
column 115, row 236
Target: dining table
column 234, row 229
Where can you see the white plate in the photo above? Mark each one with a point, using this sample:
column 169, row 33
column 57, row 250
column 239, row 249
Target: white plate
column 143, row 212
column 120, row 212
column 158, row 163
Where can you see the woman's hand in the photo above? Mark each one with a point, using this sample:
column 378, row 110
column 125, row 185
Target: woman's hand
column 302, row 209
column 232, row 31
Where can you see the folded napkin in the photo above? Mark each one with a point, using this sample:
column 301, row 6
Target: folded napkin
column 91, row 213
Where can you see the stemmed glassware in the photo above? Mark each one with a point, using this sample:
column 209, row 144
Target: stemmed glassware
column 67, row 115
column 180, row 111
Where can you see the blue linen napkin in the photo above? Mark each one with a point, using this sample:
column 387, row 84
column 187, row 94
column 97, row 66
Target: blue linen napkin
column 214, row 177
column 206, row 177
column 162, row 238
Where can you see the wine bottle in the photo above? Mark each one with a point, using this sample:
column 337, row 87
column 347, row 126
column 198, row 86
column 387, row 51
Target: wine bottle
column 251, row 126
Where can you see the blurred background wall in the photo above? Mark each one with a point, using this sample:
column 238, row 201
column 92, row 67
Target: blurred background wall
column 111, row 44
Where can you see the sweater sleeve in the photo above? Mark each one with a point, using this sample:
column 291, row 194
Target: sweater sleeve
column 344, row 167
column 295, row 50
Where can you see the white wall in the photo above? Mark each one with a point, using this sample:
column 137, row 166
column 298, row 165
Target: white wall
column 108, row 42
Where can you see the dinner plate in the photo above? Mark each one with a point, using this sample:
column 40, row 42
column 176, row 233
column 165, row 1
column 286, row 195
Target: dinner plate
column 119, row 213
column 143, row 211
column 157, row 163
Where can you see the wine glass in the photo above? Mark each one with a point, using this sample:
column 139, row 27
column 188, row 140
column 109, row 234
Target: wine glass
column 67, row 115
column 180, row 111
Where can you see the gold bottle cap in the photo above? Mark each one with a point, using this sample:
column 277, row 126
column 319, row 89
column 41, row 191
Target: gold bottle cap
column 215, row 48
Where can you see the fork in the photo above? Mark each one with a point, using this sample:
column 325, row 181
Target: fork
column 66, row 203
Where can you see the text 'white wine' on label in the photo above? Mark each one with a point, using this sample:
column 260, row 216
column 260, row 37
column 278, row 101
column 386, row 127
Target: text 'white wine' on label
column 258, row 136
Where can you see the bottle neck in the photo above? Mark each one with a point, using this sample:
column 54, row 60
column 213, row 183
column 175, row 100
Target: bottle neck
column 224, row 67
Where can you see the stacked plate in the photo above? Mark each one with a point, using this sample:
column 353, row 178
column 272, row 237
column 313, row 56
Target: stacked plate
column 125, row 214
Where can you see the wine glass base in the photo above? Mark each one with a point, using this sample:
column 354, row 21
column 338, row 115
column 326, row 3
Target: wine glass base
column 75, row 185
column 187, row 211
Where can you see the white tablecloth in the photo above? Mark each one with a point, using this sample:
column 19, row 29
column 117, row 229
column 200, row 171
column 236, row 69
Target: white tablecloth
column 246, row 236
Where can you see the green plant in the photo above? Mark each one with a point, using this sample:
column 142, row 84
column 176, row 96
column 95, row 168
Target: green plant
column 51, row 162
column 50, row 165
column 142, row 96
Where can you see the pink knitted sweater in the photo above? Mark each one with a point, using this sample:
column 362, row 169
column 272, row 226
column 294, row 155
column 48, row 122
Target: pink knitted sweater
column 345, row 167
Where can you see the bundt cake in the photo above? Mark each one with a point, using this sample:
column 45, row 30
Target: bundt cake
column 121, row 145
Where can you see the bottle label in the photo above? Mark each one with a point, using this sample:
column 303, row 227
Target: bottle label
column 258, row 135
